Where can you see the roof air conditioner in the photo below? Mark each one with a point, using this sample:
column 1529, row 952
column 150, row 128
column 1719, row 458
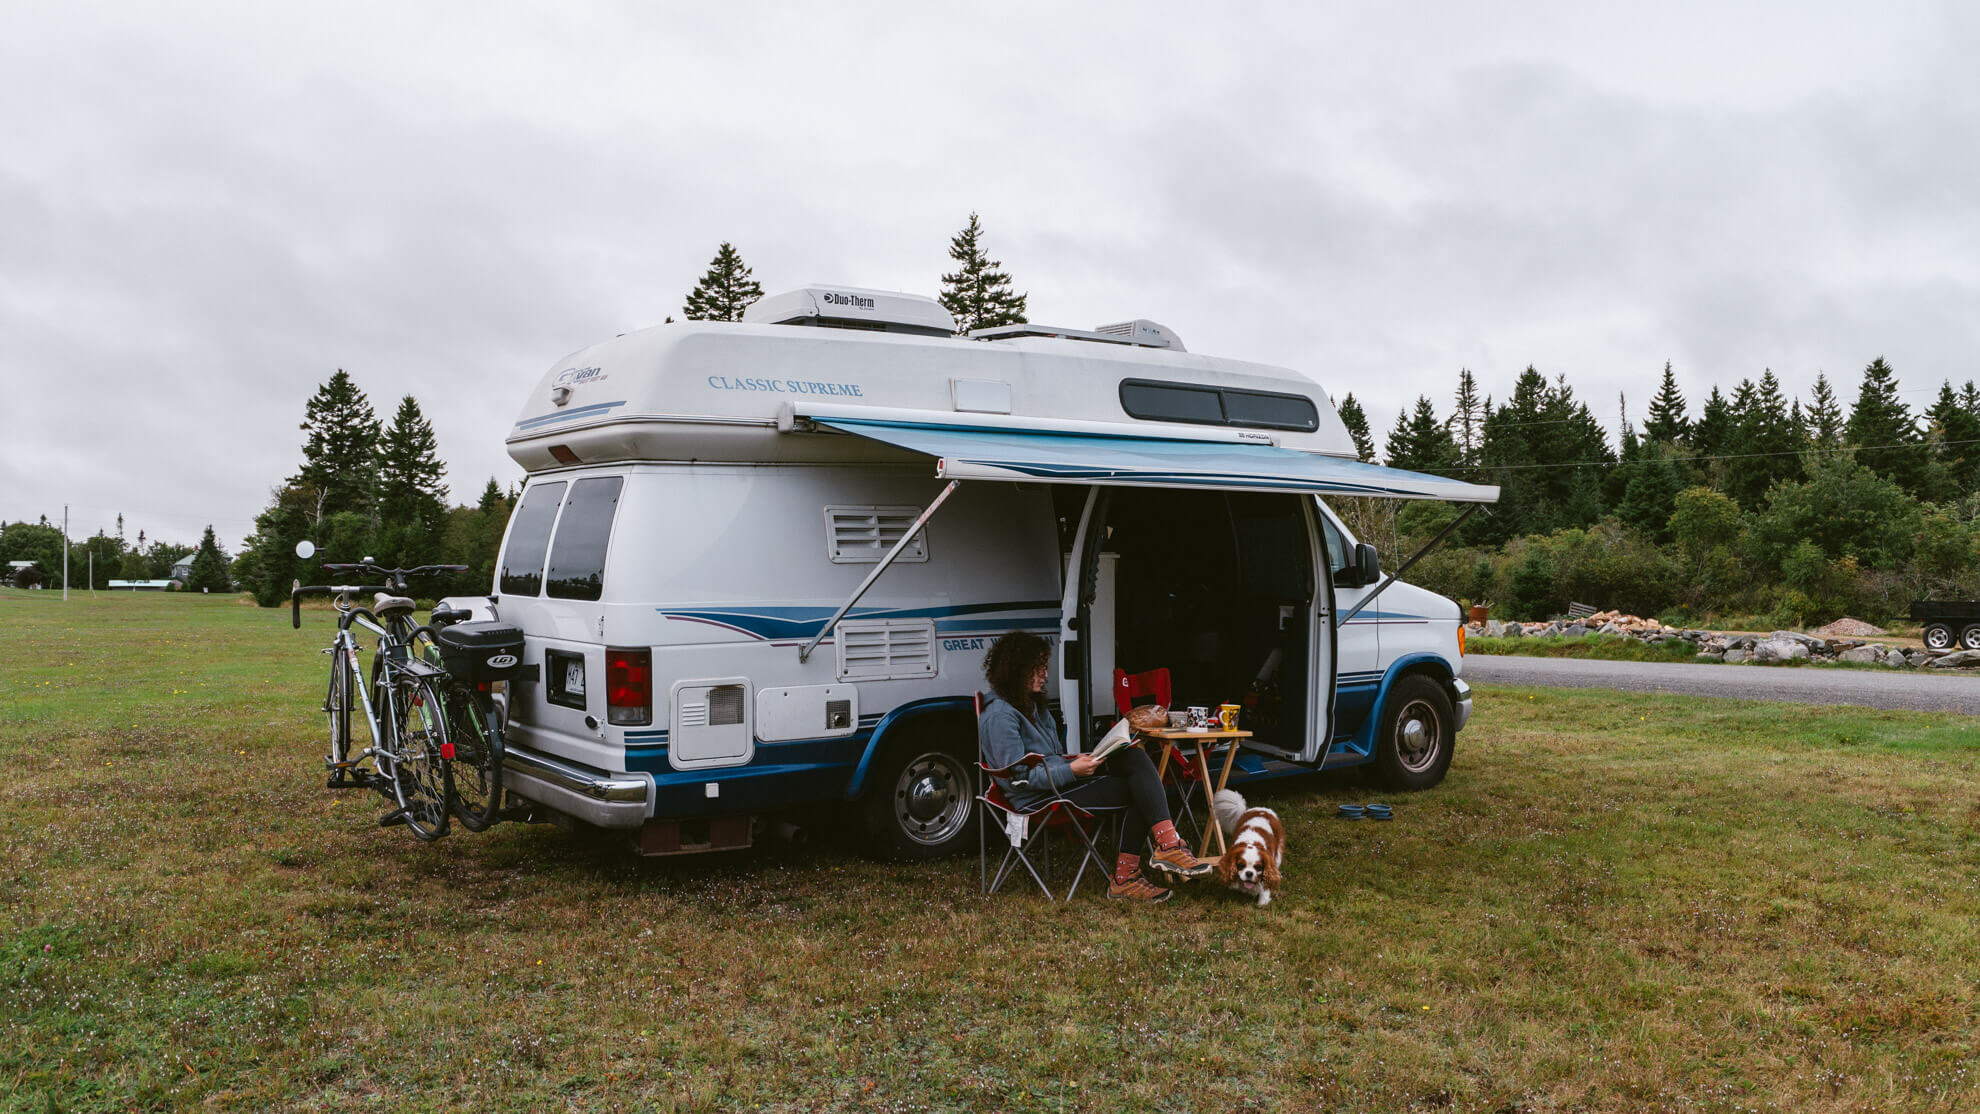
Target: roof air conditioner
column 850, row 307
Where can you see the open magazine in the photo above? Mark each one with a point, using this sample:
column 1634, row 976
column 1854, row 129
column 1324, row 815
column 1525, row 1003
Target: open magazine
column 1120, row 737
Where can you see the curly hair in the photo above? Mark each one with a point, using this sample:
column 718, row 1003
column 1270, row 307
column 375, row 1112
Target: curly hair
column 1009, row 663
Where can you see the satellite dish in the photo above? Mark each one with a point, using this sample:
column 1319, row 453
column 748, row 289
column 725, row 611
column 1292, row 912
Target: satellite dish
column 305, row 549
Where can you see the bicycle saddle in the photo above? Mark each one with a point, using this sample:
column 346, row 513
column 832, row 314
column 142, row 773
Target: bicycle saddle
column 386, row 605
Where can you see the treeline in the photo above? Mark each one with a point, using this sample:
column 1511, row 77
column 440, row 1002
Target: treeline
column 367, row 489
column 1757, row 505
column 95, row 561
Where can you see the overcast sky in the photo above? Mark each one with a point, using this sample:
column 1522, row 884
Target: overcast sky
column 206, row 210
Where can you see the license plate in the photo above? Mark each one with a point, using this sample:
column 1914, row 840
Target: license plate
column 574, row 678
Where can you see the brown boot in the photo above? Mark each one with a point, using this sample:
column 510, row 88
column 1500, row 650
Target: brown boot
column 1177, row 862
column 1137, row 888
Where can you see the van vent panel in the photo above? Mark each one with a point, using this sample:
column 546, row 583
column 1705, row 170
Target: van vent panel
column 694, row 714
column 886, row 649
column 725, row 705
column 863, row 535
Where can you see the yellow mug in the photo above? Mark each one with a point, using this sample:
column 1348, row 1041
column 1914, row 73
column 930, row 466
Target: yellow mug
column 1227, row 715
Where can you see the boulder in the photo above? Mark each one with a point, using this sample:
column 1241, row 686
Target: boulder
column 1708, row 655
column 1959, row 659
column 1864, row 654
column 1736, row 654
column 1780, row 649
column 1574, row 630
column 1919, row 657
column 1514, row 630
column 1794, row 636
column 1494, row 629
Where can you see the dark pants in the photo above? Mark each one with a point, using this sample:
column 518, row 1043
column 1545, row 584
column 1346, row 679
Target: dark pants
column 1128, row 778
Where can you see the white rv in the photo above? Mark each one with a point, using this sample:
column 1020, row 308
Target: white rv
column 758, row 565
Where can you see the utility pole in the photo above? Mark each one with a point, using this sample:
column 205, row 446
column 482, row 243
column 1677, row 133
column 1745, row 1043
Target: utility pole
column 92, row 572
column 65, row 553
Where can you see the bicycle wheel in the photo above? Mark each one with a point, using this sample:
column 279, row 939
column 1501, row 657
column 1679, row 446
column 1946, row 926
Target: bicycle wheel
column 421, row 772
column 477, row 765
column 337, row 708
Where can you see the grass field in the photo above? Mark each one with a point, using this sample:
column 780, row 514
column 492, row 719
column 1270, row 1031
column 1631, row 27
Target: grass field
column 1615, row 902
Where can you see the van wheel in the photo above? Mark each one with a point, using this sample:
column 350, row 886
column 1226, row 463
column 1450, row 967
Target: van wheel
column 1418, row 731
column 921, row 800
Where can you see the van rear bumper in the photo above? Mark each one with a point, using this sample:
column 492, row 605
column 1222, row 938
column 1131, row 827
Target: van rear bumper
column 595, row 797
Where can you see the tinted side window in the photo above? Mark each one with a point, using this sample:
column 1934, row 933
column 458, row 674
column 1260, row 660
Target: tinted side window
column 1256, row 408
column 529, row 540
column 1162, row 402
column 577, row 560
column 1337, row 550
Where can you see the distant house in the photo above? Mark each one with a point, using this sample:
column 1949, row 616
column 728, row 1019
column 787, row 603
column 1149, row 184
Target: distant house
column 140, row 585
column 182, row 568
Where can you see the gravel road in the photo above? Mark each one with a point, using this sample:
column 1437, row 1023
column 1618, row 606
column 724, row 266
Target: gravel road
column 1917, row 690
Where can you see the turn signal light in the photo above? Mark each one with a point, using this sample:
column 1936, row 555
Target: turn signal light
column 629, row 687
column 1460, row 640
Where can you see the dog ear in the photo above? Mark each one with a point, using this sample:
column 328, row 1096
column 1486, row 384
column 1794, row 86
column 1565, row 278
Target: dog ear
column 1227, row 867
column 1269, row 873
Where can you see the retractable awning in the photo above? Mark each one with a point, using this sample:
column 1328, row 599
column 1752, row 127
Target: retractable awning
column 1049, row 457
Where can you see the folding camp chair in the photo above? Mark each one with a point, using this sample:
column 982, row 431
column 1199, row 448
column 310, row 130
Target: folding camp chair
column 1176, row 764
column 1028, row 831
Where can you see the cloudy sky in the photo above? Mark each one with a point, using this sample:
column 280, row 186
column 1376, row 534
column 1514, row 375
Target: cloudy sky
column 207, row 209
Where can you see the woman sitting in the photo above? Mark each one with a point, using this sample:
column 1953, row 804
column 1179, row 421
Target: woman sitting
column 1016, row 722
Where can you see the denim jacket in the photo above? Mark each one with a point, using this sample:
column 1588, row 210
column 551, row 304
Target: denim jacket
column 1005, row 735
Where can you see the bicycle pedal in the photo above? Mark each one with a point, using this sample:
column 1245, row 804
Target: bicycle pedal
column 392, row 819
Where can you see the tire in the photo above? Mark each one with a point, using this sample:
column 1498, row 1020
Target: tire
column 1969, row 639
column 921, row 797
column 421, row 774
column 337, row 708
column 1416, row 736
column 477, row 764
column 1938, row 636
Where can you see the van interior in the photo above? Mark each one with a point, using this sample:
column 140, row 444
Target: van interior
column 1216, row 587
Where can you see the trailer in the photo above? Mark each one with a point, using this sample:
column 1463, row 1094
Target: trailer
column 1947, row 622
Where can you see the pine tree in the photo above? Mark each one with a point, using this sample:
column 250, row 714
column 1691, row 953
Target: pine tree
column 1549, row 457
column 1668, row 422
column 978, row 293
column 209, row 566
column 412, row 493
column 1465, row 418
column 1420, row 443
column 1713, row 434
column 1765, row 435
column 1885, row 434
column 1954, row 434
column 1825, row 421
column 1356, row 422
column 337, row 454
column 725, row 291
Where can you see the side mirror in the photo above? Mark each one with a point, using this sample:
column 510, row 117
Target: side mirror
column 305, row 549
column 1369, row 565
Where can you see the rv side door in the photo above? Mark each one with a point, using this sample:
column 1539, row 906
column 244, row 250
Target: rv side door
column 1075, row 619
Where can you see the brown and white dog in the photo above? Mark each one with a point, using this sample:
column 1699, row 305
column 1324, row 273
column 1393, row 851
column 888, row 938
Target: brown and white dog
column 1257, row 842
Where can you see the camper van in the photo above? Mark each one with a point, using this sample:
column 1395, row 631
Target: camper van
column 758, row 565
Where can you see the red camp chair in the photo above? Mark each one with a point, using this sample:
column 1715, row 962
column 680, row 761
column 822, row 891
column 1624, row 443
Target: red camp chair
column 1177, row 764
column 1029, row 830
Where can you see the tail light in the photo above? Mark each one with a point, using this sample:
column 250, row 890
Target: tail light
column 1460, row 640
column 629, row 687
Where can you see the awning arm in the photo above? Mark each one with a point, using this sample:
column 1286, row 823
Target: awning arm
column 805, row 654
column 1404, row 567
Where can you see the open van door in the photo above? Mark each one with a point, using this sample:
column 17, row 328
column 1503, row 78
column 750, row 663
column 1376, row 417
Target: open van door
column 1076, row 621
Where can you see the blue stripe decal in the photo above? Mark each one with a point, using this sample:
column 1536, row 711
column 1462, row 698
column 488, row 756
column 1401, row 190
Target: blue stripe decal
column 591, row 411
column 773, row 623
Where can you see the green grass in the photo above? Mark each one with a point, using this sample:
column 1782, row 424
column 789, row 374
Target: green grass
column 1597, row 646
column 1615, row 902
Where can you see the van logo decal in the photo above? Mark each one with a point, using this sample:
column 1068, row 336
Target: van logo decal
column 573, row 376
column 501, row 661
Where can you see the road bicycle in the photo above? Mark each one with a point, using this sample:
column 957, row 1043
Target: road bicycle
column 405, row 713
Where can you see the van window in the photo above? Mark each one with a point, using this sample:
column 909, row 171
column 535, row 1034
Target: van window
column 529, row 540
column 577, row 560
column 1337, row 550
column 1155, row 401
column 1171, row 402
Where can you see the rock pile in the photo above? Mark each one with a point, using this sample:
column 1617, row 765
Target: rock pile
column 1826, row 645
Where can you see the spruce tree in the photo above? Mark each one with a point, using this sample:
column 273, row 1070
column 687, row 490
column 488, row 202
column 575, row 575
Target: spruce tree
column 978, row 293
column 1955, row 437
column 1765, row 437
column 1356, row 422
column 1420, row 443
column 209, row 566
column 1466, row 414
column 337, row 453
column 1825, row 421
column 1668, row 422
column 412, row 493
column 725, row 291
column 1884, row 433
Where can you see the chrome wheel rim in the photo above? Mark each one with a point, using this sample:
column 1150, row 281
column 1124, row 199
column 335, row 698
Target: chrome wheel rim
column 1970, row 638
column 931, row 798
column 1938, row 638
column 1419, row 736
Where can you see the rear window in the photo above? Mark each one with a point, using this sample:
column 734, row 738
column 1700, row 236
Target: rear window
column 1257, row 408
column 529, row 540
column 577, row 560
column 1161, row 402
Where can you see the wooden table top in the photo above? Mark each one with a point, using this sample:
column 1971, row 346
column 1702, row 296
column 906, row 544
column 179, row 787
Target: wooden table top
column 1186, row 733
